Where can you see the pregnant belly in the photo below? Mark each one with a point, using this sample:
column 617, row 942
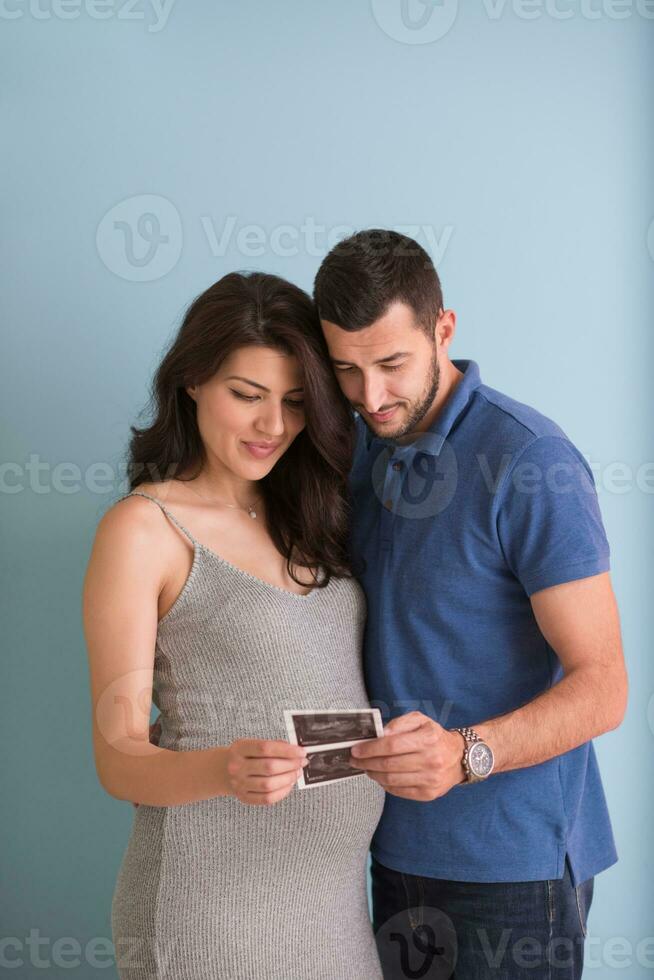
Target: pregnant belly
column 327, row 827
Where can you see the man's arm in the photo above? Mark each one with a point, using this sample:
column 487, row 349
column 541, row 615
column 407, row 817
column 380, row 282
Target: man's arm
column 418, row 759
column 580, row 622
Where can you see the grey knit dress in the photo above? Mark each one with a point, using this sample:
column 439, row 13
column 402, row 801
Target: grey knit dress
column 224, row 890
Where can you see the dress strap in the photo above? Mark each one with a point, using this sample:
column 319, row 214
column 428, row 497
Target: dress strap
column 140, row 493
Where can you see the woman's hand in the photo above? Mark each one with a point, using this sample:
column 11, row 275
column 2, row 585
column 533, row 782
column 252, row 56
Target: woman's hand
column 263, row 771
column 258, row 770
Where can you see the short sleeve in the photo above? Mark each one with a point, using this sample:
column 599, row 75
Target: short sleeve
column 549, row 521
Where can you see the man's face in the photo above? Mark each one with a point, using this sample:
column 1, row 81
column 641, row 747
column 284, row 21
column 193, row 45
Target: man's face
column 388, row 371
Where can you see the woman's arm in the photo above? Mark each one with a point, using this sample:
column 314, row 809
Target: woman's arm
column 124, row 578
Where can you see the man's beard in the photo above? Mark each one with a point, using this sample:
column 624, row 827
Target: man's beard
column 420, row 408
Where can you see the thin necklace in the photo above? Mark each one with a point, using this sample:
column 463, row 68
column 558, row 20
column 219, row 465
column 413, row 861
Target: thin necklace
column 250, row 510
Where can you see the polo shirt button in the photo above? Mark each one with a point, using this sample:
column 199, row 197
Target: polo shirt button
column 397, row 466
column 388, row 503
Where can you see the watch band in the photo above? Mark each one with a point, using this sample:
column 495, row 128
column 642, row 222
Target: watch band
column 469, row 736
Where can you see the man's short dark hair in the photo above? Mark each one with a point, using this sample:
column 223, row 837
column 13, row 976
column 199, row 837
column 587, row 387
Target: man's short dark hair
column 365, row 273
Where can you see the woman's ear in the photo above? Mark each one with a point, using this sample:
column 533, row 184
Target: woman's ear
column 191, row 391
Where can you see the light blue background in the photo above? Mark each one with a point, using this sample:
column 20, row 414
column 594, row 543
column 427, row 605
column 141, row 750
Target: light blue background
column 522, row 144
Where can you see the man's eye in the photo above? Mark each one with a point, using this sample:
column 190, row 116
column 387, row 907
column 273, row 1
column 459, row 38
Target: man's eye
column 387, row 367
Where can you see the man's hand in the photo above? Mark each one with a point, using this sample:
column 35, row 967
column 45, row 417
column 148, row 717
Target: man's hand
column 416, row 758
column 155, row 734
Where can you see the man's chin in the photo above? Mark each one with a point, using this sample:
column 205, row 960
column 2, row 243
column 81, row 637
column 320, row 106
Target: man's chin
column 388, row 430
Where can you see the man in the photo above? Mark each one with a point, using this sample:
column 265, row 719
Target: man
column 492, row 640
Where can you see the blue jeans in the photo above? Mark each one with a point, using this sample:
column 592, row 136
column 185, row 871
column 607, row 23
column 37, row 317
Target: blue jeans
column 434, row 929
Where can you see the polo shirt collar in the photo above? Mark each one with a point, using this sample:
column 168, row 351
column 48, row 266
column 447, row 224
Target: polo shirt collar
column 431, row 441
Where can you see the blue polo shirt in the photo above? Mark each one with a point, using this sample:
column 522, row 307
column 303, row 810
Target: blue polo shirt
column 452, row 533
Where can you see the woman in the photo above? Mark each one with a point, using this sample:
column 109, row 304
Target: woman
column 220, row 585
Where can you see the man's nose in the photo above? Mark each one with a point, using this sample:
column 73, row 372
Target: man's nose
column 373, row 394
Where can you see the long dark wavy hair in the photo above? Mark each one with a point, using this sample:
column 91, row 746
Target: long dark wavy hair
column 306, row 492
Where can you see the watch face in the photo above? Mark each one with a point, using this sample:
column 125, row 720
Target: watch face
column 480, row 759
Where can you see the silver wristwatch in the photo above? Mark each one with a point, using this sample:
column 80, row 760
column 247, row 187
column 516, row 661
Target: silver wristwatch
column 478, row 758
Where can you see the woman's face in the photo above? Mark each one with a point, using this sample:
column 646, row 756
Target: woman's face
column 251, row 410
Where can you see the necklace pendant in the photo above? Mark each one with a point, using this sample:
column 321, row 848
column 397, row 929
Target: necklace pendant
column 252, row 513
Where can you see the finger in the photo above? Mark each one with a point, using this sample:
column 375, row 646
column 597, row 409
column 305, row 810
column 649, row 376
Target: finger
column 273, row 767
column 388, row 745
column 270, row 784
column 254, row 748
column 267, row 798
column 393, row 779
column 410, row 762
column 405, row 723
column 412, row 793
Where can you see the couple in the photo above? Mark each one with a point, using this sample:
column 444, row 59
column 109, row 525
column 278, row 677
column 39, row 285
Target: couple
column 439, row 553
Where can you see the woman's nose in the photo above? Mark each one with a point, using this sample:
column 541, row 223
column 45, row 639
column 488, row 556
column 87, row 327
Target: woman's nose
column 271, row 420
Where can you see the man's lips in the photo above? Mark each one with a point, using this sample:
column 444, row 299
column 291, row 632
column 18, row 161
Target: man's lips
column 383, row 416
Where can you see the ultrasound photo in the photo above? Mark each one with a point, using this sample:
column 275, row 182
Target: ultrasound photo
column 328, row 737
column 317, row 728
column 327, row 766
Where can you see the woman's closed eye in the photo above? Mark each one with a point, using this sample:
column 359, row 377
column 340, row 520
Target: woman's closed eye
column 293, row 402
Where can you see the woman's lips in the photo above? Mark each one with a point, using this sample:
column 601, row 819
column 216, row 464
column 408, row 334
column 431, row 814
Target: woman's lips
column 261, row 450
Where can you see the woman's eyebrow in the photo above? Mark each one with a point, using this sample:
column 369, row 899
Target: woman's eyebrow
column 255, row 384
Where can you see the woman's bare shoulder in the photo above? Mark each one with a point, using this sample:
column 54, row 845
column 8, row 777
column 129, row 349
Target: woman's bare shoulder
column 134, row 520
column 130, row 552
